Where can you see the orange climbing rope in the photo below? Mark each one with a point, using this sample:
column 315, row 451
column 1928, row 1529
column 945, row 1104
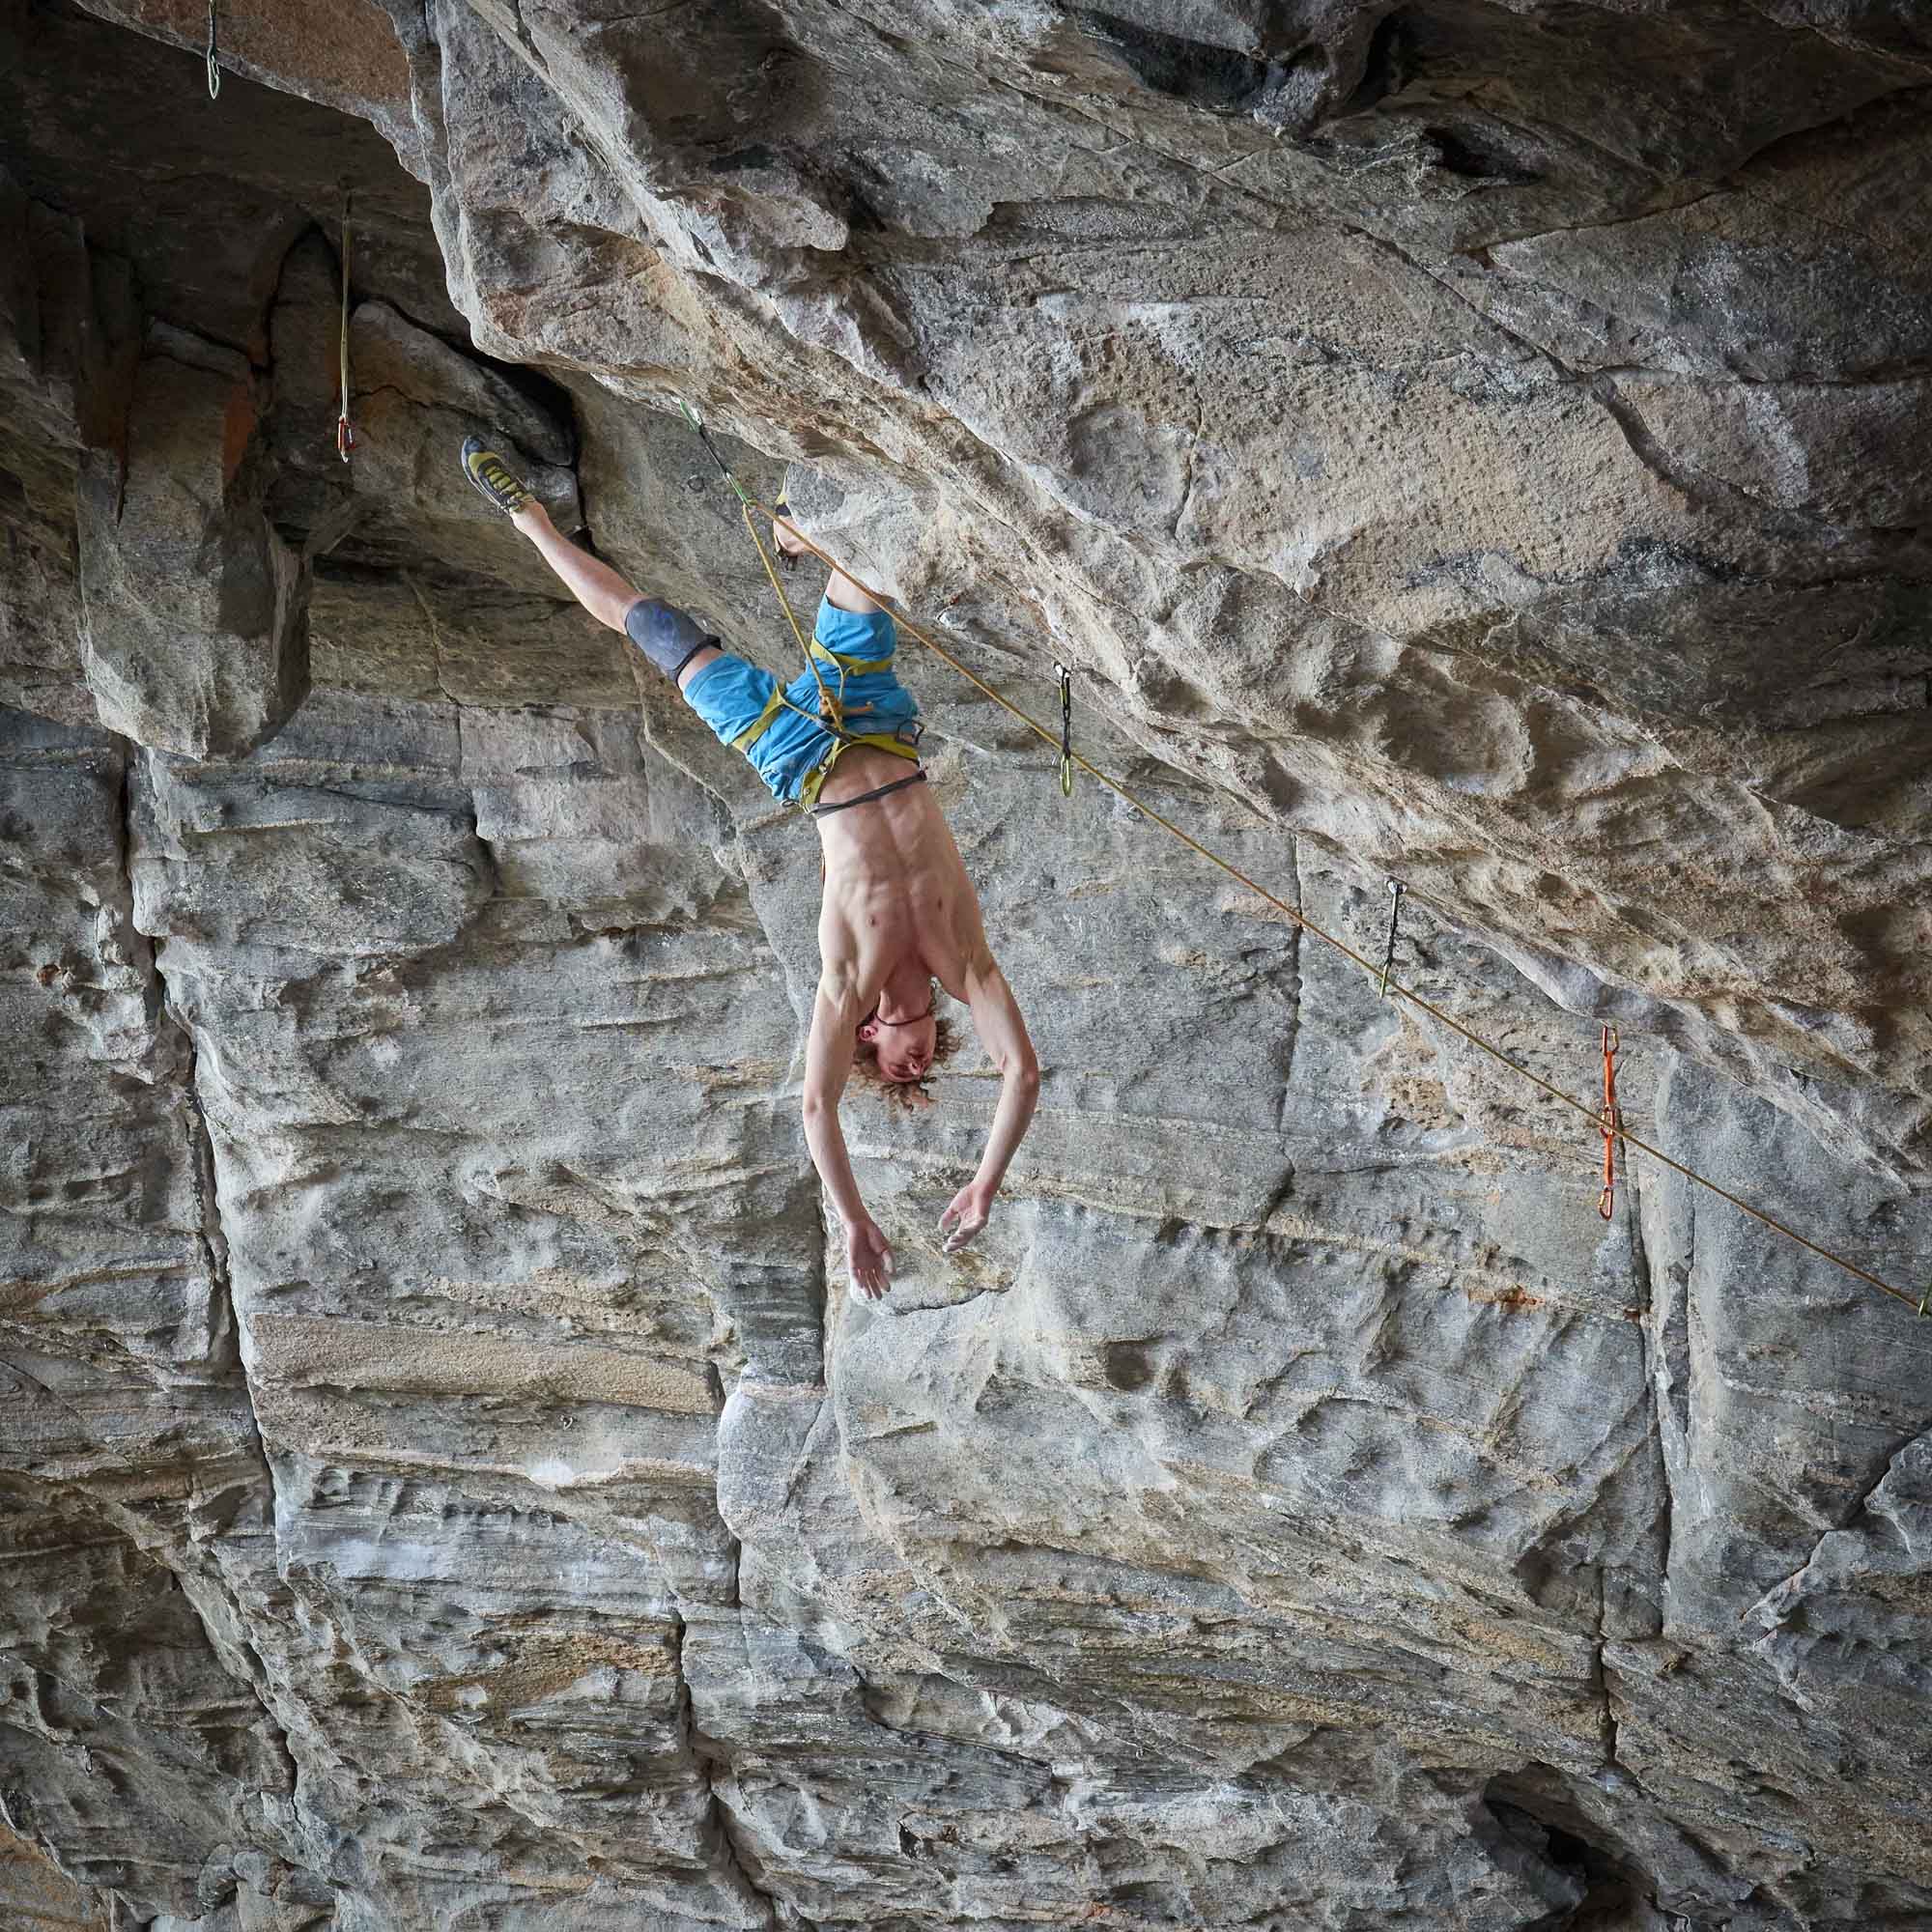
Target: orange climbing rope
column 1603, row 1118
column 1607, row 1200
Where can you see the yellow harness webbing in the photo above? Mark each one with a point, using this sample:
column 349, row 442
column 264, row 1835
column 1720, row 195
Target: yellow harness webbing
column 843, row 739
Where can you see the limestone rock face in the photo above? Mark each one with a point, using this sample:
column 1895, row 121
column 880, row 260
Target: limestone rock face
column 1464, row 457
column 445, row 1480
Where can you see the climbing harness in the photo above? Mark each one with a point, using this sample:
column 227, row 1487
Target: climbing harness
column 1612, row 1125
column 345, row 431
column 866, row 797
column 1066, row 676
column 1396, row 889
column 214, row 68
column 1595, row 1115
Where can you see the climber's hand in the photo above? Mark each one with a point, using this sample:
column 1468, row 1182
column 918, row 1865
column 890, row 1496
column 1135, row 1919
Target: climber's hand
column 868, row 1257
column 970, row 1208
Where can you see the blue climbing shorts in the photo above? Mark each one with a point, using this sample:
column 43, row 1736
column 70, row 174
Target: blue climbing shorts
column 741, row 702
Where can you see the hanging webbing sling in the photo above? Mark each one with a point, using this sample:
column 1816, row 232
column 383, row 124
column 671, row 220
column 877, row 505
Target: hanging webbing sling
column 344, row 432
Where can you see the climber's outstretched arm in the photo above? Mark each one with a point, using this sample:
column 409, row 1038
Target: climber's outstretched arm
column 835, row 1014
column 1002, row 1031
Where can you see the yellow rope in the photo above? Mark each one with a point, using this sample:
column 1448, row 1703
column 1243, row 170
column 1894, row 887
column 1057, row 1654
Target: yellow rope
column 344, row 432
column 1593, row 1114
column 835, row 709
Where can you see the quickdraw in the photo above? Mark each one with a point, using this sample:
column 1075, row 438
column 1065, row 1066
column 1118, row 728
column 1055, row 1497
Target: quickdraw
column 1612, row 1125
column 213, row 67
column 1066, row 676
column 1396, row 889
column 738, row 490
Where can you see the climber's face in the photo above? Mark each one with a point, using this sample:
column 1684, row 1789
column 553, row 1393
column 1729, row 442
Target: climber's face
column 904, row 1047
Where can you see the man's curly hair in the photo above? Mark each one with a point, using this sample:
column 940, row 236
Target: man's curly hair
column 905, row 1093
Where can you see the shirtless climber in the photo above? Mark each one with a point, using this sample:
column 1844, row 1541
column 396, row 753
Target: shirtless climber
column 898, row 910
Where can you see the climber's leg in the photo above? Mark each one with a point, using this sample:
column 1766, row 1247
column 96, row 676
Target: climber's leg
column 671, row 640
column 599, row 588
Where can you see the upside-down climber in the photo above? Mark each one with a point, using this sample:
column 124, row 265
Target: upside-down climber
column 898, row 911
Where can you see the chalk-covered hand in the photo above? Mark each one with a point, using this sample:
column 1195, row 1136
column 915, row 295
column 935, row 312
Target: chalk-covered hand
column 868, row 1257
column 971, row 1207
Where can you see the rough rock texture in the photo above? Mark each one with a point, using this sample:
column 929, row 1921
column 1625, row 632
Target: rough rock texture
column 194, row 613
column 443, row 1479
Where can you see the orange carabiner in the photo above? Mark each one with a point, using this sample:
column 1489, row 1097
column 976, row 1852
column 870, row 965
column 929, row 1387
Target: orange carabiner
column 1607, row 1200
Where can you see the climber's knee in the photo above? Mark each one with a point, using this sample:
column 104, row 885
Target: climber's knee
column 665, row 634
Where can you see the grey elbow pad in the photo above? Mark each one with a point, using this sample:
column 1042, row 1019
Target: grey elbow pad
column 665, row 634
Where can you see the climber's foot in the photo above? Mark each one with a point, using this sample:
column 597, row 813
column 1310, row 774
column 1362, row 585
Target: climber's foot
column 493, row 479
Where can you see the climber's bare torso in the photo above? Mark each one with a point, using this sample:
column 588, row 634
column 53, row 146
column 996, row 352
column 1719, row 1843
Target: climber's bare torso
column 899, row 913
column 896, row 895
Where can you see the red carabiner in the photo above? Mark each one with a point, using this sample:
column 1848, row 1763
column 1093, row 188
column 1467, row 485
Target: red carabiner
column 1607, row 1200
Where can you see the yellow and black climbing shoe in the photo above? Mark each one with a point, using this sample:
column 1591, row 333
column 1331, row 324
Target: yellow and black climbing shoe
column 494, row 480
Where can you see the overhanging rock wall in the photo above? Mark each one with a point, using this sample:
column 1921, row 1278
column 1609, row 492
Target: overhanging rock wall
column 444, row 1481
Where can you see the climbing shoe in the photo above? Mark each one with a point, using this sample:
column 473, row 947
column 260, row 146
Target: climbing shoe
column 494, row 481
